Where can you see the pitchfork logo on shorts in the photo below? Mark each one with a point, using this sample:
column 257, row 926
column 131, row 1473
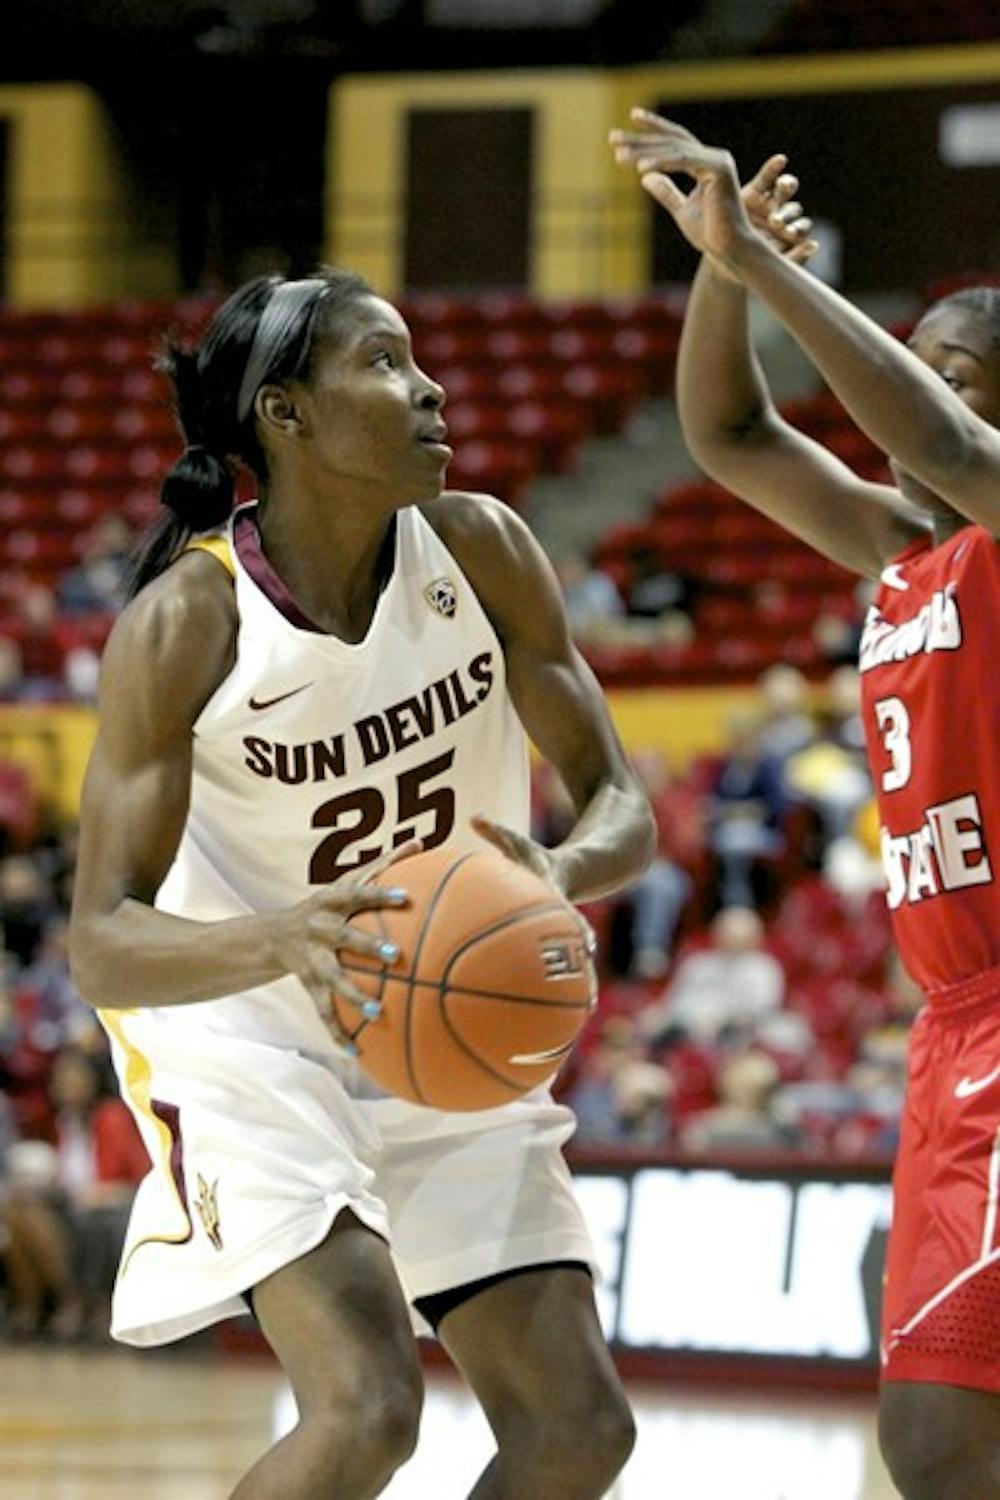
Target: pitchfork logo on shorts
column 208, row 1210
column 440, row 595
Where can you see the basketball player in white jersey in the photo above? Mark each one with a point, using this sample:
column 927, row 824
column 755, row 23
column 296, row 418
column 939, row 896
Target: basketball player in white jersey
column 347, row 667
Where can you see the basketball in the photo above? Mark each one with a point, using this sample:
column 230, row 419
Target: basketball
column 491, row 988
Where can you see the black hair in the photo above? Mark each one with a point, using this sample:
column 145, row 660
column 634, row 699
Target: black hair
column 981, row 302
column 266, row 331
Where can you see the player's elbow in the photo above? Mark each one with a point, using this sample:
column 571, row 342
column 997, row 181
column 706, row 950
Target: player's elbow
column 92, row 973
column 716, row 440
column 644, row 839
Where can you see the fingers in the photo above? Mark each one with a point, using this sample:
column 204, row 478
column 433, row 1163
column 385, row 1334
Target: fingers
column 660, row 144
column 665, row 192
column 374, row 870
column 767, row 179
column 802, row 254
column 328, row 985
column 788, row 214
column 504, row 839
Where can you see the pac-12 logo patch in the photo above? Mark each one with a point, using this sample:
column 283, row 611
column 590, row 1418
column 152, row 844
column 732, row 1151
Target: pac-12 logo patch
column 441, row 597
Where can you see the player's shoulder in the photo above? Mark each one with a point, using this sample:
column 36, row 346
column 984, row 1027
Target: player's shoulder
column 467, row 515
column 482, row 532
column 180, row 629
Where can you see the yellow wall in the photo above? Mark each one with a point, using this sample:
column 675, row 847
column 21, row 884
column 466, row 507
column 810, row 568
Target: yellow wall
column 590, row 235
column 587, row 221
column 72, row 237
column 53, row 743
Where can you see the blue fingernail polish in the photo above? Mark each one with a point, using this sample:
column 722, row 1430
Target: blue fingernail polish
column 396, row 893
column 351, row 1049
column 388, row 951
column 371, row 1010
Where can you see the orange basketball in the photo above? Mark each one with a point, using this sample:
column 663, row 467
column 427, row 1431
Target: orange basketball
column 491, row 988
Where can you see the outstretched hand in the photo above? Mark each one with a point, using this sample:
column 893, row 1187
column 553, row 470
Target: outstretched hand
column 718, row 212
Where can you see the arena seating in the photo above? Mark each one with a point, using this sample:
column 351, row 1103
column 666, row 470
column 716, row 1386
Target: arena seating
column 85, row 428
column 848, row 25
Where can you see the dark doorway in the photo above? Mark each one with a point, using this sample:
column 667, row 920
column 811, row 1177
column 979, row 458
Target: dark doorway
column 468, row 210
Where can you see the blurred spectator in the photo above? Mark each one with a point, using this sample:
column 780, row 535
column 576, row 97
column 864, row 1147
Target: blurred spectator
column 97, row 584
column 659, row 897
column 41, row 1291
column 744, row 1119
column 100, row 1159
column 721, row 993
column 831, row 773
column 619, row 1094
column 591, row 597
column 849, row 866
column 27, row 904
column 786, row 725
column 18, row 806
column 48, row 993
column 837, row 629
column 745, row 813
column 41, row 655
column 11, row 670
column 652, row 588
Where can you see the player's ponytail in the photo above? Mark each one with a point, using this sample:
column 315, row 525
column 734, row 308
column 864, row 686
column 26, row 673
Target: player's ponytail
column 197, row 490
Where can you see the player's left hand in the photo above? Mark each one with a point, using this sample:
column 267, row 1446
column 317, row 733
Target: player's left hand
column 717, row 214
column 521, row 849
column 537, row 858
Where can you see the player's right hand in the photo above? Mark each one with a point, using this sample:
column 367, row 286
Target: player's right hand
column 773, row 209
column 718, row 210
column 310, row 938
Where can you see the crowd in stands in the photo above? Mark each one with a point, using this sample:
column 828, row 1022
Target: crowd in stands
column 752, row 998
column 70, row 1154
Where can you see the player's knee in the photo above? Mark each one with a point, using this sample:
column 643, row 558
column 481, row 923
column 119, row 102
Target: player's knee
column 375, row 1425
column 592, row 1440
column 611, row 1436
column 932, row 1455
column 389, row 1421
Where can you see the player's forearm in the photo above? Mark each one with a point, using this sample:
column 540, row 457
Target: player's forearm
column 895, row 399
column 610, row 845
column 721, row 391
column 138, row 956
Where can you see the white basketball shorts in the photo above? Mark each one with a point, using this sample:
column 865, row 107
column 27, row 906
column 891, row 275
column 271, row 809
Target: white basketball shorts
column 256, row 1150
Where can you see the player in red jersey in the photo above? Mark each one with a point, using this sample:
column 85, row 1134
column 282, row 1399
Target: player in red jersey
column 931, row 693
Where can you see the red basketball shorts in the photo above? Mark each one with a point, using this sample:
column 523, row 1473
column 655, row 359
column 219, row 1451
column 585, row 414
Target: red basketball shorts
column 941, row 1308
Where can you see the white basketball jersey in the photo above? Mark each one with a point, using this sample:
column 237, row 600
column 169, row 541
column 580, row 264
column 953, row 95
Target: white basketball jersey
column 314, row 756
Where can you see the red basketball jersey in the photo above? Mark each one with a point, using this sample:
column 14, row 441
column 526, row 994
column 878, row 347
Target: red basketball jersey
column 930, row 665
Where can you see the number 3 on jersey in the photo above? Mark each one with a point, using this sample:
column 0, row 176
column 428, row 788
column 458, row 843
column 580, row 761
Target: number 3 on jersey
column 894, row 727
column 364, row 813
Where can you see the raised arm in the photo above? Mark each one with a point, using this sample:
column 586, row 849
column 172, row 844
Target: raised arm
column 557, row 698
column 730, row 423
column 903, row 406
column 167, row 654
column 736, row 434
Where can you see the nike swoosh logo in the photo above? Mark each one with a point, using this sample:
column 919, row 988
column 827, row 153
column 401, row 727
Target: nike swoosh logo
column 893, row 577
column 258, row 703
column 969, row 1086
column 532, row 1059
